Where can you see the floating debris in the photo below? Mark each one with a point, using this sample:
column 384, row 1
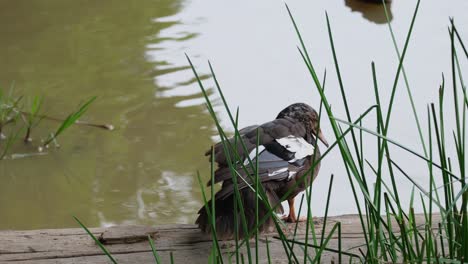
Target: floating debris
column 27, row 155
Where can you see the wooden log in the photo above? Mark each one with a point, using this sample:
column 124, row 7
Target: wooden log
column 129, row 244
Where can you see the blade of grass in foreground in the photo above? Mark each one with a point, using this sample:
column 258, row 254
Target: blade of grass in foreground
column 378, row 183
column 268, row 250
column 408, row 89
column 461, row 232
column 326, row 214
column 448, row 224
column 153, row 249
column 346, row 155
column 351, row 167
column 343, row 148
column 257, row 186
column 210, row 216
column 230, row 160
column 309, row 190
column 171, row 256
column 103, row 248
column 399, row 145
column 213, row 208
column 324, row 248
column 359, row 176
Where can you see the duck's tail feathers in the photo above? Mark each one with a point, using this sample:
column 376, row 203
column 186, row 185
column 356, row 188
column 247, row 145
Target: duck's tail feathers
column 225, row 215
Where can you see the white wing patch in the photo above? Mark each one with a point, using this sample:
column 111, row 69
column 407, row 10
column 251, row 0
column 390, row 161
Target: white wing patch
column 296, row 145
column 253, row 154
column 277, row 171
column 291, row 174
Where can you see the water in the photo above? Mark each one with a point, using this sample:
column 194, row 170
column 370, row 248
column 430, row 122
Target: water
column 131, row 55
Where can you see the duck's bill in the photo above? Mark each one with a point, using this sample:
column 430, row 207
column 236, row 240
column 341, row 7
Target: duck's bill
column 322, row 138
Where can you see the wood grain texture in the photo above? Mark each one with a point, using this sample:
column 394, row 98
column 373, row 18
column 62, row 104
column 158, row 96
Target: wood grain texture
column 129, row 244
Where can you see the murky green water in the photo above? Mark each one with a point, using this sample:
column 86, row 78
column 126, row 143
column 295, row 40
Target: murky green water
column 131, row 55
column 141, row 173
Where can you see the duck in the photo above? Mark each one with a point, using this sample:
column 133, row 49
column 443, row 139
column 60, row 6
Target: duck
column 287, row 151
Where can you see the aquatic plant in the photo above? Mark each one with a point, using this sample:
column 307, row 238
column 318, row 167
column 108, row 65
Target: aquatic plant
column 70, row 120
column 21, row 118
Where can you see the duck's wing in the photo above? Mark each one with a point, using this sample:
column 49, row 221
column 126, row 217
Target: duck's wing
column 268, row 133
column 281, row 153
column 218, row 149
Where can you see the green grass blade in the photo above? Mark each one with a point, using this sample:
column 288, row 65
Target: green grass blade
column 326, row 214
column 324, row 248
column 210, row 216
column 103, row 248
column 157, row 259
column 408, row 89
column 70, row 120
column 399, row 145
column 268, row 250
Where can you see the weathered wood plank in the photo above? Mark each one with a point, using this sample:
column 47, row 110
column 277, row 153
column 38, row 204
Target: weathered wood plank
column 129, row 244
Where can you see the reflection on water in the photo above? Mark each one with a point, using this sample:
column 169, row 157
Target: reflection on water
column 371, row 10
column 131, row 55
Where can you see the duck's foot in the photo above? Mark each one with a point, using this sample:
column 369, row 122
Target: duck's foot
column 291, row 219
column 302, row 219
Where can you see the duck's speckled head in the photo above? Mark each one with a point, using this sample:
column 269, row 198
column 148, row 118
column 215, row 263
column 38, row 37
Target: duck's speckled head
column 305, row 114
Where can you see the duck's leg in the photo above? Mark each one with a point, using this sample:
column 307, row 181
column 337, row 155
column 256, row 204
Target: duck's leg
column 292, row 212
column 292, row 218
